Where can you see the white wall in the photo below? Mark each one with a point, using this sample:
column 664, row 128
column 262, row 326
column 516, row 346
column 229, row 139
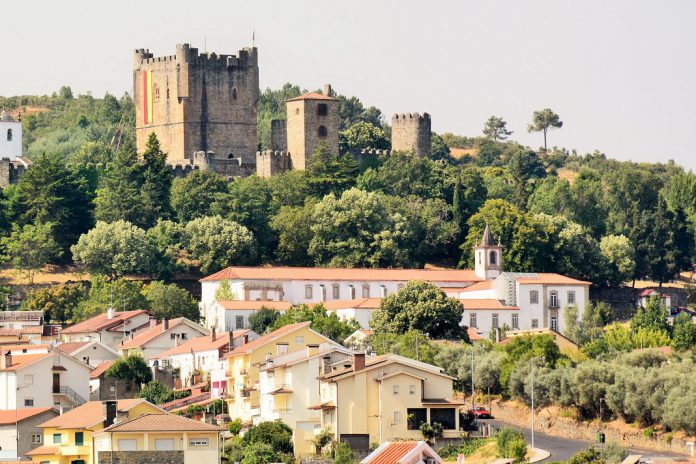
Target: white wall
column 95, row 354
column 11, row 148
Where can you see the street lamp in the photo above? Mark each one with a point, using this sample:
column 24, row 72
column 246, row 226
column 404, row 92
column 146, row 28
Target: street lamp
column 533, row 366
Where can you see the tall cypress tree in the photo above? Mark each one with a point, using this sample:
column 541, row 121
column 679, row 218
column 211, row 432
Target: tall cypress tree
column 118, row 195
column 157, row 184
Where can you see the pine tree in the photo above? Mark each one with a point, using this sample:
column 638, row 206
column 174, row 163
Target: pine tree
column 118, row 196
column 157, row 183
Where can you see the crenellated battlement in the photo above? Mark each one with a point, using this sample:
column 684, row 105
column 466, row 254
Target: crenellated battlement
column 411, row 116
column 411, row 133
column 185, row 54
column 272, row 162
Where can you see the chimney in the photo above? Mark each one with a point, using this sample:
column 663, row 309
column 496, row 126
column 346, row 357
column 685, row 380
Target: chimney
column 327, row 90
column 213, row 335
column 246, row 339
column 110, row 313
column 326, row 364
column 312, row 350
column 358, row 362
column 165, row 324
column 110, row 408
column 6, row 360
column 153, row 322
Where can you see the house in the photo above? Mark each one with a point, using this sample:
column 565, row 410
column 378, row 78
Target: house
column 20, row 319
column 21, row 426
column 289, row 384
column 158, row 438
column 30, row 334
column 358, row 340
column 103, row 387
column 386, row 398
column 110, row 327
column 67, row 439
column 403, row 452
column 359, row 310
column 91, row 352
column 243, row 396
column 204, row 356
column 51, row 379
column 159, row 337
column 645, row 296
column 234, row 314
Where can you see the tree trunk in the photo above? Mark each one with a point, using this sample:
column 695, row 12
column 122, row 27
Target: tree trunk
column 545, row 149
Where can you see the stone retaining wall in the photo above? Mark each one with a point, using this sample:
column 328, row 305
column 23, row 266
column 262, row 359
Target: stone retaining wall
column 141, row 457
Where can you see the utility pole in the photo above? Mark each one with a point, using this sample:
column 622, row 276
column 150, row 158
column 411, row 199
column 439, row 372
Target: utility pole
column 533, row 367
column 473, row 390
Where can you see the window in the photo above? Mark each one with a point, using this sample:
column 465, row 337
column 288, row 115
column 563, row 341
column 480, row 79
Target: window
column 383, row 290
column 515, row 321
column 397, row 417
column 297, row 111
column 308, row 291
column 416, row 417
column 198, row 442
column 239, row 322
column 281, row 348
column 479, row 257
column 299, row 340
column 571, row 297
column 351, row 291
column 535, row 323
column 322, row 290
column 444, row 416
column 56, row 360
column 554, row 323
column 156, row 93
column 553, row 299
column 184, row 336
column 533, row 296
column 167, row 93
column 9, row 135
column 322, row 132
column 164, row 444
column 36, row 438
column 128, row 444
column 85, row 359
column 234, row 93
column 395, row 389
column 495, row 321
column 28, row 379
column 493, row 257
column 335, row 291
column 28, row 402
column 412, row 389
column 56, row 438
column 79, row 438
column 322, row 109
column 472, row 320
column 366, row 291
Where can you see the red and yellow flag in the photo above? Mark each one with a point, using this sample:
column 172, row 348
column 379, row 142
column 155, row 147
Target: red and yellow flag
column 147, row 97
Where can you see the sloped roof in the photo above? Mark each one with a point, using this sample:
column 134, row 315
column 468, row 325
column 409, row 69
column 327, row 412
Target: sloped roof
column 162, row 423
column 44, row 450
column 204, row 343
column 295, row 357
column 102, row 322
column 483, row 285
column 487, row 239
column 89, row 414
column 20, row 361
column 143, row 337
column 101, row 368
column 269, row 337
column 311, row 96
column 254, row 304
column 70, row 347
column 367, row 303
column 11, row 416
column 545, row 278
column 26, row 330
column 339, row 274
column 398, row 452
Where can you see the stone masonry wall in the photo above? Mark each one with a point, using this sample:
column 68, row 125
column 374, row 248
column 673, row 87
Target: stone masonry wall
column 279, row 135
column 141, row 457
column 411, row 132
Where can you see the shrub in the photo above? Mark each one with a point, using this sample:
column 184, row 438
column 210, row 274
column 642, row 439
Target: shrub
column 235, row 426
column 343, row 454
column 511, row 444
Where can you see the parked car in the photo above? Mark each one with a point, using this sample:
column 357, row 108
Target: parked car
column 481, row 413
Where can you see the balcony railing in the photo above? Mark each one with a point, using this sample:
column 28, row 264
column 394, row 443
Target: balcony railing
column 282, row 410
column 71, row 394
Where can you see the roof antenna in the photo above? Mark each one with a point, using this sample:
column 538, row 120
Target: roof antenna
column 205, row 43
column 253, row 38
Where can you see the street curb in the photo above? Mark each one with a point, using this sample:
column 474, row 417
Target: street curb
column 539, row 455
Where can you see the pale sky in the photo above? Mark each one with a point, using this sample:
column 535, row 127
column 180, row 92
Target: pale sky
column 621, row 74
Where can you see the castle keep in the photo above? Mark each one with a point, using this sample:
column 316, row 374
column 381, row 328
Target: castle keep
column 199, row 102
column 411, row 132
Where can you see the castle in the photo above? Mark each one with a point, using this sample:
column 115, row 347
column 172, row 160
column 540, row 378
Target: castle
column 203, row 108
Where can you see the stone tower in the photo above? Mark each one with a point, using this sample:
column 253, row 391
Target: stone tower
column 10, row 136
column 197, row 102
column 411, row 132
column 312, row 119
column 488, row 256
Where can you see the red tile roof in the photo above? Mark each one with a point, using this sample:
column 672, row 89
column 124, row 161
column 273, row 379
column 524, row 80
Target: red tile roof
column 473, row 334
column 204, row 343
column 255, row 305
column 8, row 417
column 483, row 285
column 549, row 278
column 101, row 322
column 26, row 330
column 162, row 423
column 261, row 341
column 71, row 347
column 367, row 303
column 311, row 96
column 89, row 414
column 20, row 361
column 338, row 274
column 101, row 368
column 44, row 450
column 144, row 336
column 393, row 452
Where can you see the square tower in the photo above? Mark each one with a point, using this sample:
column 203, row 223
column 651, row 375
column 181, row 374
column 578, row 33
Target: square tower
column 197, row 102
column 312, row 119
column 488, row 256
column 411, row 132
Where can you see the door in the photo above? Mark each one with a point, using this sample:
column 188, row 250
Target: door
column 56, row 382
column 554, row 323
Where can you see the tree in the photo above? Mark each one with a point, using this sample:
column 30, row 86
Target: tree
column 343, row 454
column 119, row 294
column 133, row 368
column 543, row 121
column 439, row 151
column 510, row 443
column 421, row 306
column 116, row 249
column 496, row 129
column 274, row 433
column 363, row 136
column 329, row 172
column 259, row 453
column 224, row 291
column 653, row 316
column 218, row 242
column 168, row 301
column 620, row 255
column 260, row 321
column 328, row 325
column 30, row 247
column 684, row 335
column 412, row 344
column 118, row 195
column 292, row 226
column 58, row 302
column 193, row 196
column 353, row 111
column 158, row 393
column 156, row 184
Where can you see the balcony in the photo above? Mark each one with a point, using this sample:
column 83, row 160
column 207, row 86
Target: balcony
column 282, row 410
column 74, row 450
column 283, row 389
column 70, row 394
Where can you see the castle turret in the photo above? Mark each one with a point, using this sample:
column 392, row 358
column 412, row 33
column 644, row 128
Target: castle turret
column 488, row 256
column 411, row 132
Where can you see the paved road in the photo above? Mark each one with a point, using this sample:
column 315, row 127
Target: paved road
column 563, row 448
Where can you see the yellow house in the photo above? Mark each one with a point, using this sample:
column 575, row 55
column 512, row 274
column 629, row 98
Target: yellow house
column 158, row 438
column 244, row 361
column 68, row 437
column 386, row 398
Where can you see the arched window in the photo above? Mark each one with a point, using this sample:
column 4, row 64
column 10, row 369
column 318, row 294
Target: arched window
column 493, row 257
column 322, row 131
column 9, row 135
column 230, row 156
column 234, row 93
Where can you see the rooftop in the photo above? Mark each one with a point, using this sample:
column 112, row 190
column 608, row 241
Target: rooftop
column 89, row 414
column 142, row 337
column 101, row 368
column 204, row 343
column 544, row 278
column 162, row 423
column 102, row 322
column 8, row 417
column 20, row 361
column 311, row 96
column 269, row 337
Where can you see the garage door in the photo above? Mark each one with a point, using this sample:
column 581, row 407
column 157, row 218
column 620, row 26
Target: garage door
column 356, row 441
column 127, row 445
column 164, row 444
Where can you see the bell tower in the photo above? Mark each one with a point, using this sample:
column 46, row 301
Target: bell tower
column 488, row 256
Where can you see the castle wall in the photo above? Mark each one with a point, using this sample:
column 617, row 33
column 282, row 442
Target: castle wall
column 270, row 163
column 279, row 135
column 411, row 132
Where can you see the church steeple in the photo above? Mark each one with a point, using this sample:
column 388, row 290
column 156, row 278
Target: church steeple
column 488, row 256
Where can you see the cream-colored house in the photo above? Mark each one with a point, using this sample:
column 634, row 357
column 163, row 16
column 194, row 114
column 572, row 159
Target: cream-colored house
column 147, row 438
column 289, row 384
column 110, row 327
column 160, row 337
column 386, row 398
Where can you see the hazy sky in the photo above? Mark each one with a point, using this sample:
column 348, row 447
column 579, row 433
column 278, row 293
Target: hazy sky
column 621, row 74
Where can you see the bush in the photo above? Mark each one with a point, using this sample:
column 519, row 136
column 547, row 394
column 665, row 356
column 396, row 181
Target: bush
column 235, row 426
column 431, row 431
column 511, row 444
column 259, row 453
column 343, row 454
column 273, row 433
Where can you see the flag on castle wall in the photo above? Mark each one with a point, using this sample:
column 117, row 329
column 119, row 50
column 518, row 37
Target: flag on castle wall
column 147, row 97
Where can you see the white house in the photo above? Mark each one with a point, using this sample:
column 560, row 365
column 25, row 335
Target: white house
column 645, row 295
column 110, row 327
column 160, row 337
column 52, row 379
column 20, row 319
column 234, row 315
column 10, row 136
column 21, row 426
column 93, row 352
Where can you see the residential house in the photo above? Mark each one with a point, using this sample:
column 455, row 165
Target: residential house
column 67, row 439
column 359, row 310
column 51, row 379
column 103, row 387
column 20, row 319
column 90, row 352
column 30, row 334
column 243, row 395
column 386, row 398
column 110, row 327
column 158, row 438
column 21, row 427
column 403, row 452
column 160, row 337
column 234, row 314
column 289, row 384
column 645, row 295
column 204, row 356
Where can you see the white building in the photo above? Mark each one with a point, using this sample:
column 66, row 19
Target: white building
column 21, row 426
column 160, row 337
column 234, row 315
column 52, row 379
column 10, row 136
column 110, row 327
column 20, row 319
column 93, row 353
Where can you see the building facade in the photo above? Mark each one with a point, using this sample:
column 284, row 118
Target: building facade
column 10, row 136
column 21, row 427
